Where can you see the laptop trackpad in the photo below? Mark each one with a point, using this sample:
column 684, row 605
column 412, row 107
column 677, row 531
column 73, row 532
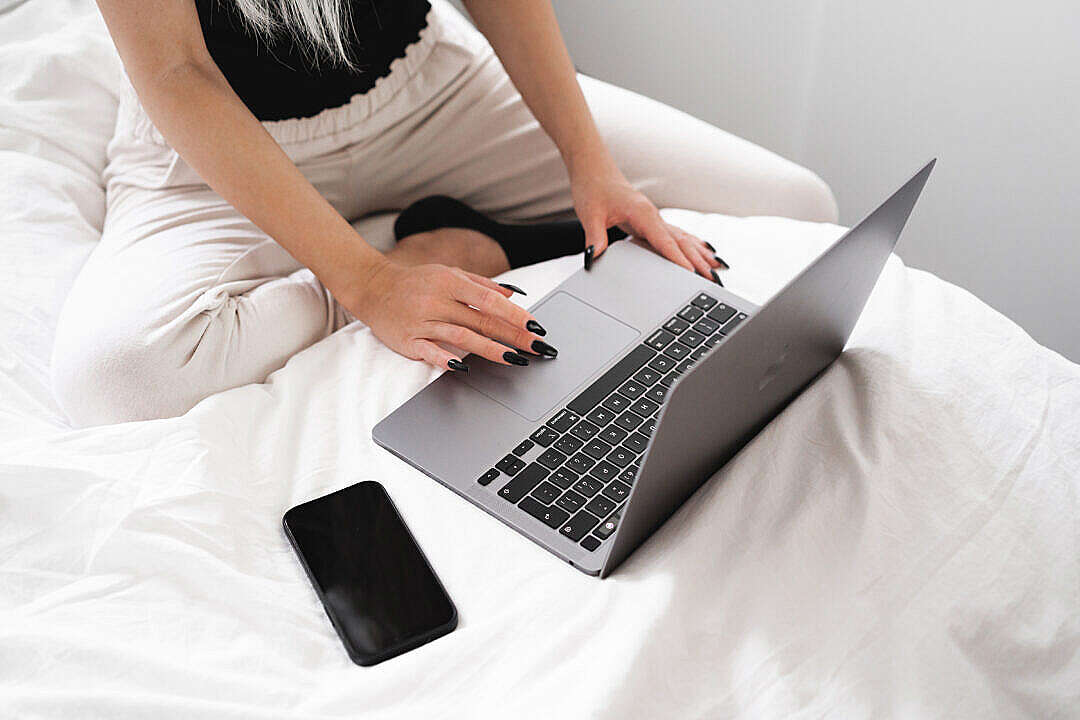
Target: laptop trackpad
column 586, row 338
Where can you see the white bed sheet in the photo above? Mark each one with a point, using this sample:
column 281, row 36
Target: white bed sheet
column 902, row 541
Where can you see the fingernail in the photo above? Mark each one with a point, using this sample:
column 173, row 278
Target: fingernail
column 542, row 348
column 722, row 262
column 514, row 359
column 455, row 364
column 513, row 288
column 716, row 278
column 709, row 245
column 535, row 327
column 588, row 257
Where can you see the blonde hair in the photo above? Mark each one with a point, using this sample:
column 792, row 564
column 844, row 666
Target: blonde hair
column 320, row 27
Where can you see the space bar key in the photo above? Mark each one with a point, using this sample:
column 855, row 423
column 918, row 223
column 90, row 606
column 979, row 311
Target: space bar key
column 612, row 379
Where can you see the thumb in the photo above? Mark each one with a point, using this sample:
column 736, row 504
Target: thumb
column 596, row 239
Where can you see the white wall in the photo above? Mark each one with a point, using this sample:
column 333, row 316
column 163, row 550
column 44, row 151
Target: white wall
column 864, row 91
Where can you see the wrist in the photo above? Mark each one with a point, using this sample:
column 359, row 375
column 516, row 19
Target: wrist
column 590, row 158
column 358, row 288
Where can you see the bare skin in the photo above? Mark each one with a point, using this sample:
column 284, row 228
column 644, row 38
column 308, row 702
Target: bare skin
column 416, row 308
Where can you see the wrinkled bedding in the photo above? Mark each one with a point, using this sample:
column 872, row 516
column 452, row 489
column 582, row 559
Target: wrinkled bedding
column 902, row 541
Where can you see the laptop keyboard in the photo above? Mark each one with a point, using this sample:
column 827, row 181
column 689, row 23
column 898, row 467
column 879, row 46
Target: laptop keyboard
column 585, row 458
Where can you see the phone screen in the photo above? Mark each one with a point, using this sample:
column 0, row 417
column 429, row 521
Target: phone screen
column 381, row 594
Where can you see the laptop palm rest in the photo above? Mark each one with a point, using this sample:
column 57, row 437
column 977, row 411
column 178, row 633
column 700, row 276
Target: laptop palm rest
column 586, row 338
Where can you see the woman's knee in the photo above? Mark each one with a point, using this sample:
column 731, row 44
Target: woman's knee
column 104, row 372
column 803, row 195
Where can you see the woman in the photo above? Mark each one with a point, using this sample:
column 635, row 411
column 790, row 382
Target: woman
column 256, row 130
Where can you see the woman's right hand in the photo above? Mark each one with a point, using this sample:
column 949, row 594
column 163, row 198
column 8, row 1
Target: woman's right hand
column 415, row 309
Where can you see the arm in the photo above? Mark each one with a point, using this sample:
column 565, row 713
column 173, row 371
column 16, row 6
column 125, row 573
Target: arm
column 192, row 105
column 526, row 37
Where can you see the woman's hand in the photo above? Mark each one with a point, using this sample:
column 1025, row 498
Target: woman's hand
column 603, row 197
column 416, row 309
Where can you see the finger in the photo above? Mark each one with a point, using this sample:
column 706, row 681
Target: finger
column 504, row 289
column 595, row 237
column 472, row 342
column 492, row 302
column 694, row 252
column 656, row 232
column 492, row 327
column 438, row 357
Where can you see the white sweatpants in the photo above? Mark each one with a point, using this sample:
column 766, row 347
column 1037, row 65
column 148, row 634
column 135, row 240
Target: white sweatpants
column 185, row 297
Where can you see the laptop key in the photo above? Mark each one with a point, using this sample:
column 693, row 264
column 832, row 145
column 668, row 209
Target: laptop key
column 699, row 353
column 629, row 421
column 660, row 339
column 692, row 338
column 607, row 527
column 691, row 313
column 523, row 447
column 721, row 313
column 604, row 471
column 668, row 379
column 568, row 444
column 521, row 485
column 636, row 443
column 649, row 427
column 644, row 407
column 734, row 321
column 628, row 475
column 613, row 434
column 647, row 376
column 584, row 430
column 600, row 416
column 576, row 527
column 546, row 493
column 677, row 350
column 590, row 543
column 544, row 436
column 613, row 378
column 661, row 363
column 487, row 477
column 580, row 463
column 588, row 486
column 563, row 478
column 706, row 326
column 616, row 402
column 600, row 506
column 676, row 325
column 704, row 301
column 617, row 491
column 657, row 393
column 712, row 340
column 620, row 457
column 596, row 448
column 571, row 501
column 563, row 421
column 510, row 465
column 551, row 458
column 553, row 517
column 685, row 365
column 632, row 388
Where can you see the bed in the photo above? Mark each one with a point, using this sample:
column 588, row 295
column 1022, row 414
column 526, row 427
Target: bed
column 902, row 541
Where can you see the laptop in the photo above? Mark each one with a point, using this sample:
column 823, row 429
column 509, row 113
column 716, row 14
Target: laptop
column 662, row 376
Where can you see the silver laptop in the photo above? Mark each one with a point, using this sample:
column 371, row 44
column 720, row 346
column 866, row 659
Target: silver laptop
column 662, row 376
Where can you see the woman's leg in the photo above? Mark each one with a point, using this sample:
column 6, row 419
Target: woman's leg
column 184, row 297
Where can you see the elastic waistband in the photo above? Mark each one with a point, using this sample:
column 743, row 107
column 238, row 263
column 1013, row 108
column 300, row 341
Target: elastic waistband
column 445, row 25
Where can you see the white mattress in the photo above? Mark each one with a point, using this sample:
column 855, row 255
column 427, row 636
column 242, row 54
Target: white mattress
column 902, row 541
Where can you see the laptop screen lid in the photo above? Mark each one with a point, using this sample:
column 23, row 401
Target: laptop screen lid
column 727, row 398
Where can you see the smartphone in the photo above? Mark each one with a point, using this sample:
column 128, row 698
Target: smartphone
column 375, row 584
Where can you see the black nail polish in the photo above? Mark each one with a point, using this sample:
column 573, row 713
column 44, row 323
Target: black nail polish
column 723, row 263
column 514, row 359
column 513, row 288
column 535, row 327
column 716, row 278
column 709, row 245
column 542, row 348
column 455, row 364
column 588, row 256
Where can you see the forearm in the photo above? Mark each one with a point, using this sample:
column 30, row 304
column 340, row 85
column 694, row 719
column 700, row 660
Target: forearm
column 207, row 124
column 526, row 37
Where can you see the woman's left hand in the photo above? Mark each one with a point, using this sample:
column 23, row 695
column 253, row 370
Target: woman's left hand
column 603, row 197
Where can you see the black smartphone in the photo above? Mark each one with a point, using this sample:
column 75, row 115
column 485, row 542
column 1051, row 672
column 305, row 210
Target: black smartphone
column 381, row 594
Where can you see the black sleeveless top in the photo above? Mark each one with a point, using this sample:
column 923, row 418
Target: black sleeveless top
column 276, row 79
